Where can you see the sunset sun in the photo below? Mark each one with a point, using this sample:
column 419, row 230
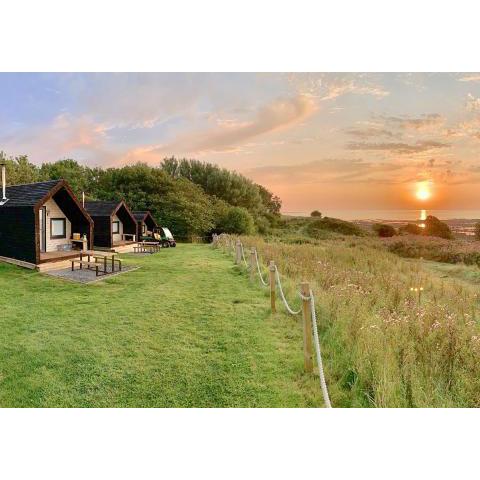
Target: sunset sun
column 423, row 191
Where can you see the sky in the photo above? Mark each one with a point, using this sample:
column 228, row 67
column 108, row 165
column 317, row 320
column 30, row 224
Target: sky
column 318, row 140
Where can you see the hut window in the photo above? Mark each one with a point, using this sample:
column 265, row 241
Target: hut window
column 58, row 228
column 116, row 227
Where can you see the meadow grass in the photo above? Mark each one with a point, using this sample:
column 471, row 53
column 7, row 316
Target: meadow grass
column 187, row 329
column 382, row 346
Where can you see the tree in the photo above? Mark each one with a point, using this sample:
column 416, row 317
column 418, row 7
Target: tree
column 233, row 188
column 78, row 176
column 384, row 230
column 236, row 220
column 19, row 170
column 316, row 213
column 272, row 203
column 434, row 227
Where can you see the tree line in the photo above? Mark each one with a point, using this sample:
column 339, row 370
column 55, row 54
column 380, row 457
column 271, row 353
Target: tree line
column 192, row 198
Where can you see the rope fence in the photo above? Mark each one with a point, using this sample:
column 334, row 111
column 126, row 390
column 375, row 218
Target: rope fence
column 309, row 316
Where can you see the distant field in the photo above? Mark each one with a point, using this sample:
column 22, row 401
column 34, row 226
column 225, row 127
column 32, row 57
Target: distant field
column 185, row 330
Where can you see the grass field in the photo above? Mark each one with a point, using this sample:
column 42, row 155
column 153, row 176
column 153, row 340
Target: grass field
column 185, row 330
column 383, row 346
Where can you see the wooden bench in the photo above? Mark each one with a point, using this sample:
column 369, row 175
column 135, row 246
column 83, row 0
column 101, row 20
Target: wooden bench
column 145, row 248
column 88, row 264
column 104, row 257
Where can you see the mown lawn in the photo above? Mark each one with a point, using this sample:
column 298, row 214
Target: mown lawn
column 185, row 330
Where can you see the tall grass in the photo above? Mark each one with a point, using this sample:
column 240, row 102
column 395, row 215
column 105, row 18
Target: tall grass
column 382, row 346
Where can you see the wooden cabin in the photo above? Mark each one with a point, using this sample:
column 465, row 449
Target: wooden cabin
column 114, row 224
column 145, row 224
column 42, row 222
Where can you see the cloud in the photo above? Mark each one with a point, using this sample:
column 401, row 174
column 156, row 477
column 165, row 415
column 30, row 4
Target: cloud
column 399, row 148
column 327, row 86
column 471, row 77
column 473, row 103
column 64, row 136
column 369, row 132
column 230, row 136
column 137, row 100
column 424, row 122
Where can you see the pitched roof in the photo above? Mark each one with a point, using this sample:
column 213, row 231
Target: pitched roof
column 140, row 215
column 28, row 194
column 101, row 209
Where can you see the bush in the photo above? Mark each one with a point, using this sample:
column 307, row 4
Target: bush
column 316, row 228
column 384, row 230
column 316, row 213
column 411, row 229
column 435, row 228
column 236, row 220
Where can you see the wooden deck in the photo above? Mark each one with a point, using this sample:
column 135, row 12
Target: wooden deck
column 58, row 256
column 122, row 243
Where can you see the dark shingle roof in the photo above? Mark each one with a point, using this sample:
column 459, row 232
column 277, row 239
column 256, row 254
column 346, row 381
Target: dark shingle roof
column 100, row 209
column 140, row 215
column 28, row 194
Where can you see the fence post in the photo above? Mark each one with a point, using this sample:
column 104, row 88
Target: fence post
column 307, row 327
column 252, row 264
column 272, row 285
column 238, row 256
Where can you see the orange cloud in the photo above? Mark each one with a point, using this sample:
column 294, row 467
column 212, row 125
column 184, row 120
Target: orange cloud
column 230, row 136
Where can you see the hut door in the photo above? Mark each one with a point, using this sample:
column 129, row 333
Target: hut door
column 43, row 228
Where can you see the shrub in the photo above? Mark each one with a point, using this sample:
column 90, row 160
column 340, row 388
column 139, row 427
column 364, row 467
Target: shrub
column 316, row 228
column 384, row 230
column 316, row 213
column 435, row 228
column 411, row 229
column 236, row 220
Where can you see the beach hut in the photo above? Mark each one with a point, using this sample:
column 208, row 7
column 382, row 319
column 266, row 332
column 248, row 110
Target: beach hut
column 114, row 224
column 42, row 222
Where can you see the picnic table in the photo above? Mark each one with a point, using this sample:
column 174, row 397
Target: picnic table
column 143, row 247
column 104, row 256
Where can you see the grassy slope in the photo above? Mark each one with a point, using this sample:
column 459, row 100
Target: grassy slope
column 380, row 346
column 186, row 330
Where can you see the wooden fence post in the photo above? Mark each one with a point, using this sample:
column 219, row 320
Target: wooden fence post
column 253, row 261
column 307, row 327
column 238, row 256
column 272, row 285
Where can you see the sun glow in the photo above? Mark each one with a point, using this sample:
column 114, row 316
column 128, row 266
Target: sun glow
column 423, row 191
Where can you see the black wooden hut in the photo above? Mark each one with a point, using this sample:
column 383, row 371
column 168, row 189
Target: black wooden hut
column 38, row 222
column 114, row 224
column 146, row 224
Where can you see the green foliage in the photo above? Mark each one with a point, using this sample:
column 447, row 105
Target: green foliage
column 316, row 213
column 76, row 175
column 236, row 220
column 231, row 187
column 317, row 227
column 186, row 195
column 384, row 230
column 435, row 228
column 20, row 170
column 411, row 229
